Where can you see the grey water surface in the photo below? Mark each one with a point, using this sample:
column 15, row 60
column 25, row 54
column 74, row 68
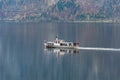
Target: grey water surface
column 23, row 56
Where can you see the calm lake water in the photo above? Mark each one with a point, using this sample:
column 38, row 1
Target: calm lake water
column 23, row 57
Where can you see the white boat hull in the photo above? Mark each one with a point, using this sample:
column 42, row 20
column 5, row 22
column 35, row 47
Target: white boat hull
column 66, row 47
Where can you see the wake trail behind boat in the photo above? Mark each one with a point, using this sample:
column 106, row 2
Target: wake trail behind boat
column 101, row 49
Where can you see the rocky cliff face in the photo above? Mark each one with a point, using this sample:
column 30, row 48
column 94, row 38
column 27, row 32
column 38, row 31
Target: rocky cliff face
column 60, row 9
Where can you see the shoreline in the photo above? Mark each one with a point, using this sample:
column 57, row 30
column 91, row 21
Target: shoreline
column 69, row 21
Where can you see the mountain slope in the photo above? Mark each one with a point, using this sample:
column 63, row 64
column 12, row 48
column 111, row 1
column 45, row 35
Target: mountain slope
column 84, row 9
column 60, row 9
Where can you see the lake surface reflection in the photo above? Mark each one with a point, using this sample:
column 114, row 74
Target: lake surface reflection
column 23, row 56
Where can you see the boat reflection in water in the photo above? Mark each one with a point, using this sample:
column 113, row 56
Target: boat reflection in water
column 61, row 51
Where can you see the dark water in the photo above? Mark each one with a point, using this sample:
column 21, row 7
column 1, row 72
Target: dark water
column 23, row 57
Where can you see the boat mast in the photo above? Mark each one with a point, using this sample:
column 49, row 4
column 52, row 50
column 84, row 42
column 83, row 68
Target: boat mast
column 57, row 37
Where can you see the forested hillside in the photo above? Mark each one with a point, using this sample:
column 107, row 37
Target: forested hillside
column 60, row 10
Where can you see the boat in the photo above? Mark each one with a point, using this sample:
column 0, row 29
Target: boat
column 58, row 43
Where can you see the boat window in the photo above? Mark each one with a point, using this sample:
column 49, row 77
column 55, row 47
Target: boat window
column 70, row 44
column 63, row 44
column 76, row 44
column 55, row 41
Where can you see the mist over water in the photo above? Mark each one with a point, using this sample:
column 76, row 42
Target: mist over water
column 23, row 57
